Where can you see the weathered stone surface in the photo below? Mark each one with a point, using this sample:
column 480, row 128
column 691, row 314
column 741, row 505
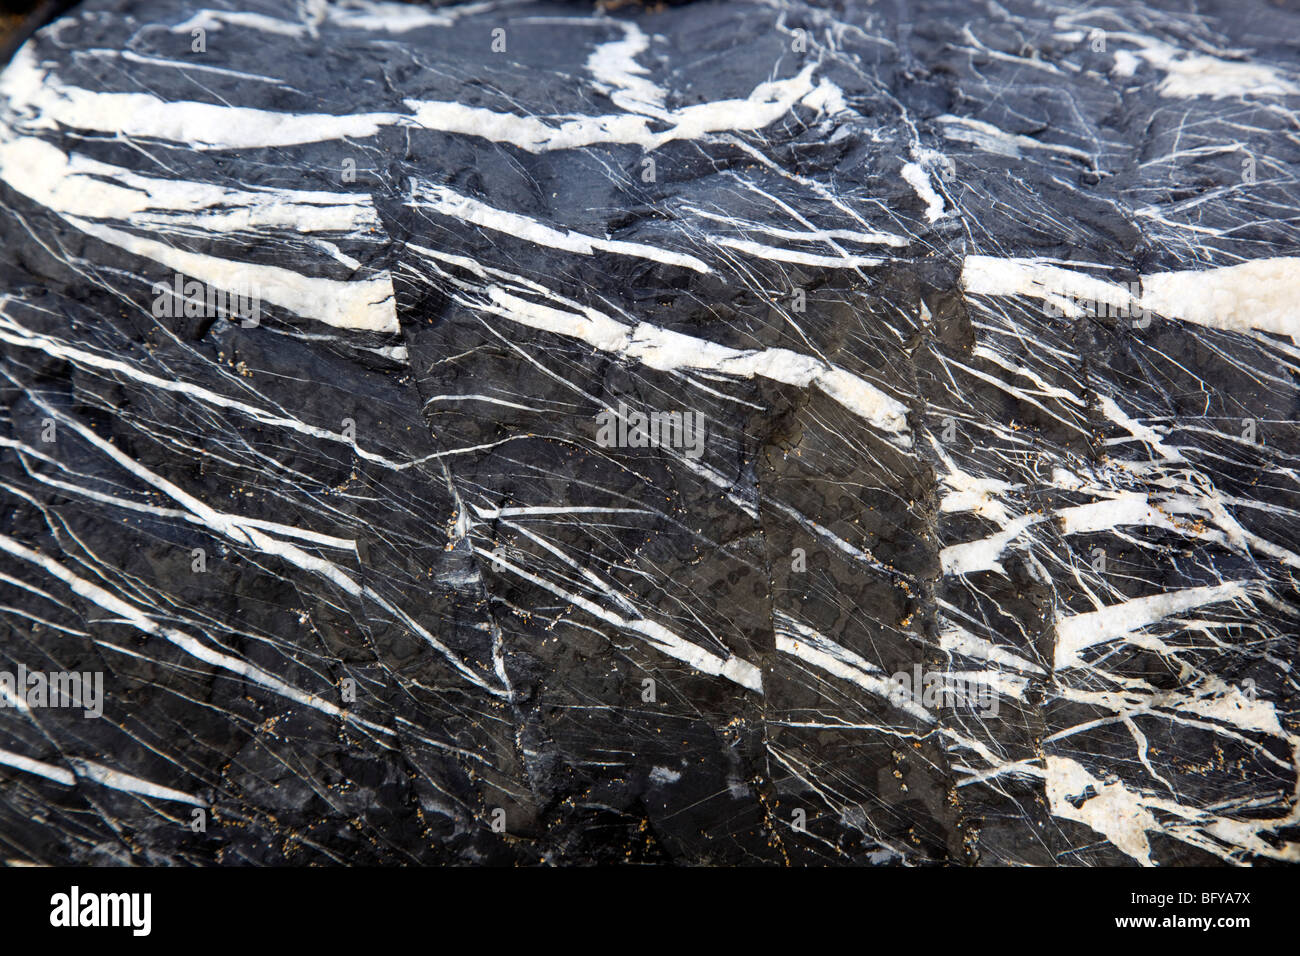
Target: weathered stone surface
column 987, row 319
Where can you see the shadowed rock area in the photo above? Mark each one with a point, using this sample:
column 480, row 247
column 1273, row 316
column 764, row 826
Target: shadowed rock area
column 724, row 433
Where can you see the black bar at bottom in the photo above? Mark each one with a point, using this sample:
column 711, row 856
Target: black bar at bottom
column 339, row 907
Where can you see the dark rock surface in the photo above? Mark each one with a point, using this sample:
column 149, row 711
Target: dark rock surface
column 989, row 315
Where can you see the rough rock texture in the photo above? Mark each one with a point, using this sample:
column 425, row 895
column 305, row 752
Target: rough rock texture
column 990, row 320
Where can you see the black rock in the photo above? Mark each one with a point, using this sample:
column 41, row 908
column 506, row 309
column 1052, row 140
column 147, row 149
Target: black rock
column 331, row 346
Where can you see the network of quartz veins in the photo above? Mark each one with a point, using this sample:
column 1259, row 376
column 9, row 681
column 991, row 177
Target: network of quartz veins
column 732, row 433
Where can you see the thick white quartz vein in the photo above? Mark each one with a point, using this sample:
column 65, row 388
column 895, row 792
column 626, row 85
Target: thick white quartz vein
column 666, row 350
column 74, row 188
column 1263, row 294
column 41, row 100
